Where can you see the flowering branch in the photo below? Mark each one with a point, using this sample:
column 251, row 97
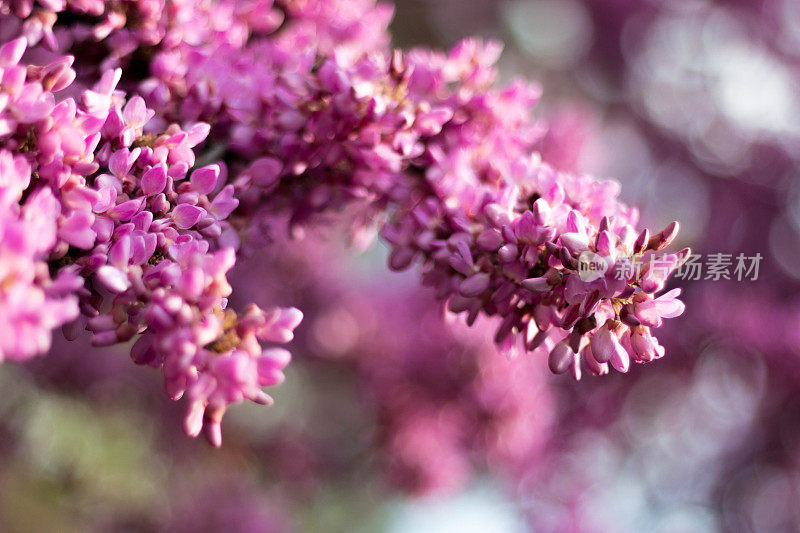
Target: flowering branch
column 312, row 115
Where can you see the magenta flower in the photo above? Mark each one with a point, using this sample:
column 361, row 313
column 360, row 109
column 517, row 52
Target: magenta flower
column 650, row 312
column 33, row 303
column 132, row 247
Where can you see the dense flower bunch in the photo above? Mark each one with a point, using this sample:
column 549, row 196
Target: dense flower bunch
column 313, row 115
column 33, row 303
column 133, row 33
column 130, row 232
column 430, row 137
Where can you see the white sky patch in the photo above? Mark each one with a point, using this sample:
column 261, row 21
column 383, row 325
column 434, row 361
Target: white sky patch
column 700, row 75
column 477, row 510
column 556, row 32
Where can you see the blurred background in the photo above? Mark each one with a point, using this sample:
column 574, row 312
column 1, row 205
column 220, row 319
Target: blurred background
column 390, row 422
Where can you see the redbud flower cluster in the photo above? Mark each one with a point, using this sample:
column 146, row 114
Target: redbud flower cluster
column 33, row 302
column 431, row 140
column 132, row 236
column 312, row 114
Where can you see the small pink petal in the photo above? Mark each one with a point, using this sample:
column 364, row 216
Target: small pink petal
column 108, row 195
column 11, row 52
column 204, row 179
column 77, row 230
column 154, row 180
column 185, row 216
column 112, row 278
column 561, row 357
column 475, row 284
column 224, row 203
column 126, row 210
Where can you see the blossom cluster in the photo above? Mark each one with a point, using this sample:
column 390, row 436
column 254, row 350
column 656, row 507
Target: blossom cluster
column 307, row 113
column 134, row 239
column 33, row 302
column 432, row 141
